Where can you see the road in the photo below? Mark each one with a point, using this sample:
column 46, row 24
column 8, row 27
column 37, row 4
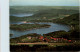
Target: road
column 44, row 43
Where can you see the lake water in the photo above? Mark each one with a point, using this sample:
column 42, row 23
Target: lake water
column 52, row 28
column 22, row 15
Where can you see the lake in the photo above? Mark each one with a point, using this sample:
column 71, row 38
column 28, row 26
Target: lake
column 52, row 28
column 22, row 15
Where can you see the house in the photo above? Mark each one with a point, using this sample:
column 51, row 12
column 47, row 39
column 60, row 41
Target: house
column 59, row 39
column 29, row 37
column 24, row 22
column 69, row 40
column 41, row 37
column 44, row 17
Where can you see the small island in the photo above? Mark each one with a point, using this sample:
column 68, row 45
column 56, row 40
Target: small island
column 23, row 27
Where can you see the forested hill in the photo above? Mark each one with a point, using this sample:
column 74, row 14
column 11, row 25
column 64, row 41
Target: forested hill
column 74, row 18
column 55, row 12
column 70, row 20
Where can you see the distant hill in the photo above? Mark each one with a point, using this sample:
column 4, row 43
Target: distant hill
column 54, row 12
column 49, row 12
column 34, row 9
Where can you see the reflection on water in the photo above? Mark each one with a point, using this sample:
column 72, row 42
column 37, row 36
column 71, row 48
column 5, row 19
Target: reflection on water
column 52, row 28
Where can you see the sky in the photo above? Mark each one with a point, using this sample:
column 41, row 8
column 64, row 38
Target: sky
column 44, row 2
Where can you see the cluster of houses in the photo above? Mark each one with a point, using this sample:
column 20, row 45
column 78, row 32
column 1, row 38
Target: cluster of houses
column 50, row 39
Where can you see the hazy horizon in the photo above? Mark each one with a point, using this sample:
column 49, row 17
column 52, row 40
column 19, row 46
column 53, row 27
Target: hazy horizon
column 44, row 2
column 44, row 5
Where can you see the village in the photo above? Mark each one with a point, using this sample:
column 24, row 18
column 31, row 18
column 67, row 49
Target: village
column 33, row 39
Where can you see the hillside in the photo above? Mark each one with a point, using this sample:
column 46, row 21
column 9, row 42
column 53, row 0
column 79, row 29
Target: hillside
column 70, row 20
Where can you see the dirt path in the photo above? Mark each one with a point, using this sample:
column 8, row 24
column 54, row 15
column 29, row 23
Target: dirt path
column 45, row 43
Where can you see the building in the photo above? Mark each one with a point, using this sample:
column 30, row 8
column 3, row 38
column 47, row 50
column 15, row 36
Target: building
column 29, row 37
